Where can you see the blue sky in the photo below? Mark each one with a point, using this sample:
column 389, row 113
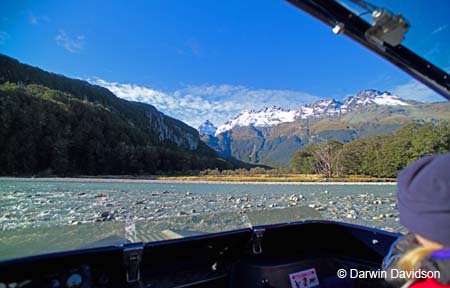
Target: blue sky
column 198, row 60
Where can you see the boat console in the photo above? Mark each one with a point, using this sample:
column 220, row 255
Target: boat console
column 306, row 254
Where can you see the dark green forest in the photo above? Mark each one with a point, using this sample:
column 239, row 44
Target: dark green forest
column 54, row 125
column 378, row 156
column 44, row 131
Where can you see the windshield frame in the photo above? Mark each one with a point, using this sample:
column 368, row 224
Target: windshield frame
column 331, row 13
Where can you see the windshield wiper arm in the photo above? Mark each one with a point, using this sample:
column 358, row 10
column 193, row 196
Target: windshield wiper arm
column 332, row 13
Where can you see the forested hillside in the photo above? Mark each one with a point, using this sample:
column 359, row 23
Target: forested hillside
column 51, row 124
column 379, row 156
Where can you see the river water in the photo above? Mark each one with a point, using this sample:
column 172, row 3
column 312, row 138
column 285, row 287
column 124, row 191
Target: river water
column 58, row 209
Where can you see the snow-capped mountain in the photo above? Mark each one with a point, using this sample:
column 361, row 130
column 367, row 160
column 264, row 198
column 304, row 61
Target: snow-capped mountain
column 371, row 96
column 207, row 128
column 270, row 116
column 319, row 108
column 274, row 115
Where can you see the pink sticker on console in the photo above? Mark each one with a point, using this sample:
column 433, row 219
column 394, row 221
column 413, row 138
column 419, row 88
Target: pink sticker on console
column 304, row 279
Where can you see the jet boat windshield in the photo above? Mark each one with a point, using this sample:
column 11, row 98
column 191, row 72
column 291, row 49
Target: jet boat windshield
column 412, row 35
column 116, row 159
column 429, row 25
column 35, row 241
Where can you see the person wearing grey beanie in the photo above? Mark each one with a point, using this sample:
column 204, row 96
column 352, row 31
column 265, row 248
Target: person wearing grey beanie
column 423, row 199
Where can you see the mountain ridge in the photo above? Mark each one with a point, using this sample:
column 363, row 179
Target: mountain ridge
column 207, row 128
column 271, row 135
column 271, row 116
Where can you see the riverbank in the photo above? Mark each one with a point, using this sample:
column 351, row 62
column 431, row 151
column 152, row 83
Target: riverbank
column 285, row 178
column 293, row 179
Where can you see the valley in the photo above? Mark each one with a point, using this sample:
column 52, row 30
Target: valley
column 272, row 135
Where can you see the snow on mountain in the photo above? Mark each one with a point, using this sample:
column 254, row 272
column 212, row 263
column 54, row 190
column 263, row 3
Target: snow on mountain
column 319, row 108
column 262, row 118
column 274, row 115
column 371, row 96
column 207, row 128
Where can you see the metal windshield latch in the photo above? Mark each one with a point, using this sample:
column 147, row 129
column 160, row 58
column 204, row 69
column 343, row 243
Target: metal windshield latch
column 258, row 234
column 132, row 257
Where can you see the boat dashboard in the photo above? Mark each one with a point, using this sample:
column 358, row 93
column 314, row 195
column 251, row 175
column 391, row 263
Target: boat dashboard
column 307, row 254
